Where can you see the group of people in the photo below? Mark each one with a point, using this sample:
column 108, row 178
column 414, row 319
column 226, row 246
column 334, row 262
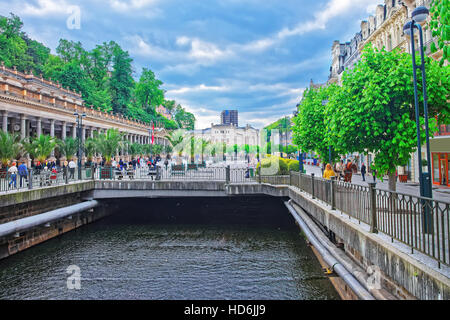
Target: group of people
column 345, row 171
column 151, row 162
column 22, row 171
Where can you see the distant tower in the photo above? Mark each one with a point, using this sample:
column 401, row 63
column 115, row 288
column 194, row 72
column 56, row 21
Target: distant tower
column 229, row 117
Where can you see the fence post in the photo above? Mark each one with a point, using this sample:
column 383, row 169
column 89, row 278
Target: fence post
column 93, row 172
column 312, row 185
column 333, row 192
column 66, row 173
column 227, row 174
column 259, row 175
column 30, row 179
column 373, row 208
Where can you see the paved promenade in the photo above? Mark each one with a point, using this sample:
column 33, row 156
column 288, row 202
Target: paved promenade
column 442, row 194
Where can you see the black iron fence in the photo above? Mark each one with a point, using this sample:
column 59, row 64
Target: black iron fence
column 421, row 223
column 42, row 178
column 177, row 173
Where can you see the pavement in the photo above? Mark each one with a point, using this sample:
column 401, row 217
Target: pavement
column 439, row 193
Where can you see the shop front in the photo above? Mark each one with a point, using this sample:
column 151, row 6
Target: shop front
column 440, row 154
column 441, row 168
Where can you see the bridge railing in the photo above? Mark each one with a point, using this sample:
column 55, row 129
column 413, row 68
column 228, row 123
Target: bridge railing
column 41, row 178
column 177, row 173
column 421, row 223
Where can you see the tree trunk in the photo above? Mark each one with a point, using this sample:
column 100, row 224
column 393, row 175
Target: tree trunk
column 392, row 181
column 393, row 197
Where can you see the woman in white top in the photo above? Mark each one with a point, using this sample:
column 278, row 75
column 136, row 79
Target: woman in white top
column 13, row 172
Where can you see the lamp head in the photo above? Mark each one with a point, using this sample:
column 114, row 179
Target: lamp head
column 75, row 114
column 420, row 14
column 83, row 115
column 407, row 28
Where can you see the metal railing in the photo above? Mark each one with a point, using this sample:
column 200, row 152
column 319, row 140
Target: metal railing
column 177, row 173
column 421, row 223
column 42, row 178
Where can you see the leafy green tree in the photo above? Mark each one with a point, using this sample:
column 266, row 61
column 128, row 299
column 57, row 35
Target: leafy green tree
column 10, row 147
column 38, row 55
column 90, row 148
column 68, row 147
column 109, row 143
column 148, row 93
column 12, row 46
column 440, row 26
column 185, row 120
column 157, row 149
column 310, row 132
column 121, row 82
column 40, row 148
column 202, row 145
column 135, row 149
column 177, row 140
column 374, row 110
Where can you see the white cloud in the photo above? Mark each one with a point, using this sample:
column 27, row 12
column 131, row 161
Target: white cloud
column 122, row 6
column 140, row 47
column 44, row 8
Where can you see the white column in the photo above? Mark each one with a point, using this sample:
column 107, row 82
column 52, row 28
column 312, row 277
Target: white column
column 74, row 130
column 63, row 130
column 27, row 128
column 83, row 133
column 5, row 121
column 38, row 127
column 52, row 127
column 91, row 132
column 23, row 122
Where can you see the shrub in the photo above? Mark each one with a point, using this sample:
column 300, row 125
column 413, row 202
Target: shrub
column 294, row 165
column 271, row 162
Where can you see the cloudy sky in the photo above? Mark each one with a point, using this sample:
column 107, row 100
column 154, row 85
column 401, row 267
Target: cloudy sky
column 256, row 56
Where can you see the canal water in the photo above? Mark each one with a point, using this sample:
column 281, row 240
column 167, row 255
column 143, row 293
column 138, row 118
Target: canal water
column 242, row 250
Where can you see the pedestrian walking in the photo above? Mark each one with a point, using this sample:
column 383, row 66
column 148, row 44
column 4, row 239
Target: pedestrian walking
column 72, row 166
column 328, row 173
column 23, row 173
column 363, row 171
column 13, row 172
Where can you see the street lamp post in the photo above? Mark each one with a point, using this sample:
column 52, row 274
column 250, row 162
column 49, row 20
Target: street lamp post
column 300, row 153
column 80, row 138
column 419, row 15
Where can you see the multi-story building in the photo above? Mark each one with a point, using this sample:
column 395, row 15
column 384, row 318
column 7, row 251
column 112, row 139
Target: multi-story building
column 32, row 106
column 385, row 30
column 229, row 117
column 230, row 134
column 164, row 112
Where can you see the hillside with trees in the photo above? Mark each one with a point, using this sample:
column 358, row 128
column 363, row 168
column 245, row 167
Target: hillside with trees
column 103, row 75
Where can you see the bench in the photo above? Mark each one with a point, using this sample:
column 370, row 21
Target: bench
column 192, row 166
column 177, row 170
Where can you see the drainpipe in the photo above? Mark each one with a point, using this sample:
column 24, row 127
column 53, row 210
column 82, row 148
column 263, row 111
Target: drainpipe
column 43, row 218
column 345, row 275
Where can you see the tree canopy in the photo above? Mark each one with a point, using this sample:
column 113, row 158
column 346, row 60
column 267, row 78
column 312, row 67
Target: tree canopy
column 103, row 75
column 373, row 111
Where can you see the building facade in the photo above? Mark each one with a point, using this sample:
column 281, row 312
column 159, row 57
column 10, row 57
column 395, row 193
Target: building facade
column 32, row 106
column 385, row 30
column 230, row 134
column 229, row 117
column 164, row 112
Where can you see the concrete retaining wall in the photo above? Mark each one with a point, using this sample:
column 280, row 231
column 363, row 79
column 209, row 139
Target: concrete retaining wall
column 403, row 275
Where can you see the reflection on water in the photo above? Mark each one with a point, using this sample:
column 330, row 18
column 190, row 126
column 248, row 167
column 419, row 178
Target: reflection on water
column 160, row 261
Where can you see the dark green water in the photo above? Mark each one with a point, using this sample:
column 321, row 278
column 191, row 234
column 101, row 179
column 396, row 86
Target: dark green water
column 121, row 258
